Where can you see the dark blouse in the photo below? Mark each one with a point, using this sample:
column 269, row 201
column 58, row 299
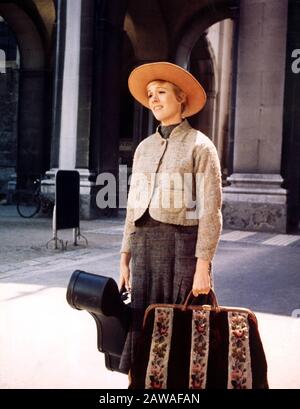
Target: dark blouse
column 165, row 131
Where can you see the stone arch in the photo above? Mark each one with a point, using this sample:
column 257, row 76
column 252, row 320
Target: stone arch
column 194, row 28
column 192, row 36
column 35, row 78
column 29, row 40
column 148, row 44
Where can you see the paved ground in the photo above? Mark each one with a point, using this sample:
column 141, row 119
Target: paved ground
column 46, row 344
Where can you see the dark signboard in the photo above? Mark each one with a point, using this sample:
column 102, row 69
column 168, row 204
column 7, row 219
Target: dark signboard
column 67, row 199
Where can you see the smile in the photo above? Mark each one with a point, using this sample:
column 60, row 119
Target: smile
column 157, row 108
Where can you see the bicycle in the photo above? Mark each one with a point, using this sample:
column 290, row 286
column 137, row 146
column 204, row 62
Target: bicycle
column 30, row 202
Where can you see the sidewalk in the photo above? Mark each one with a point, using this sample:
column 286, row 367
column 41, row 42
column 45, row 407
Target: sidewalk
column 46, row 344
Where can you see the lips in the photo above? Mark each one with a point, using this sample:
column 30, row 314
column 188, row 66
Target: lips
column 157, row 107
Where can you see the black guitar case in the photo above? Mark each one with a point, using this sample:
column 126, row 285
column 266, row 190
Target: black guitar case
column 100, row 296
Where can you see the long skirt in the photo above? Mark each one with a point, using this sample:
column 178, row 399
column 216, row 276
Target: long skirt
column 163, row 264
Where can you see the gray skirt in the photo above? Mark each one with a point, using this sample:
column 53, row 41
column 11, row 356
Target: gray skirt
column 163, row 264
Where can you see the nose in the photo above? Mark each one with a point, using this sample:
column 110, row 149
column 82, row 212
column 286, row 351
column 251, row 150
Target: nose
column 154, row 97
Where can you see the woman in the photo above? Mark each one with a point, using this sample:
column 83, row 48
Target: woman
column 174, row 219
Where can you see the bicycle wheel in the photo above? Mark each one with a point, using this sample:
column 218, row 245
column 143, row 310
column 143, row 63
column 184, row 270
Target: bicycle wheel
column 28, row 205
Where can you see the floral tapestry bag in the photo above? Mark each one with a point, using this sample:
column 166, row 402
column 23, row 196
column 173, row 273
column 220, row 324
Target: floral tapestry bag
column 185, row 346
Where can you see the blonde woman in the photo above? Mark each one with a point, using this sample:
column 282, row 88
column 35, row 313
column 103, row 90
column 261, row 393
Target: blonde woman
column 173, row 221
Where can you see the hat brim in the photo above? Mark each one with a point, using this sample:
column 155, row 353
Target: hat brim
column 141, row 76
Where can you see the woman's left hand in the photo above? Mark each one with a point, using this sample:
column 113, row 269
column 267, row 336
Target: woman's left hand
column 202, row 281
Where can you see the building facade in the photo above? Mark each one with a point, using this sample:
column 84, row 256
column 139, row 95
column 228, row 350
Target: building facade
column 65, row 104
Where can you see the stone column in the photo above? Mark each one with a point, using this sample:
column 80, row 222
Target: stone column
column 291, row 143
column 70, row 92
column 143, row 123
column 72, row 97
column 87, row 174
column 31, row 123
column 65, row 90
column 59, row 44
column 105, row 119
column 255, row 199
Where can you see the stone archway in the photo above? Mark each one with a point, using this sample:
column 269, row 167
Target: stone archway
column 179, row 36
column 148, row 44
column 34, row 96
column 212, row 67
column 194, row 28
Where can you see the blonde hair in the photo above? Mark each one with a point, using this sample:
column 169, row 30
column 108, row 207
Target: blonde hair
column 180, row 95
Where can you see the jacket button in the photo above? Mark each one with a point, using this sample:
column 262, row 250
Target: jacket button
column 162, row 142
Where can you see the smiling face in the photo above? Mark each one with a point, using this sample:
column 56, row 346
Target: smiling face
column 165, row 102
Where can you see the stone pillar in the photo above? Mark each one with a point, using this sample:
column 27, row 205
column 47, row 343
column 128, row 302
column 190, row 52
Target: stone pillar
column 105, row 120
column 66, row 85
column 86, row 132
column 144, row 124
column 291, row 143
column 70, row 87
column 255, row 199
column 31, row 123
column 87, row 173
column 58, row 73
column 72, row 97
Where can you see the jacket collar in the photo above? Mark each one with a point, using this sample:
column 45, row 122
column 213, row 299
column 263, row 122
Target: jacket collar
column 181, row 130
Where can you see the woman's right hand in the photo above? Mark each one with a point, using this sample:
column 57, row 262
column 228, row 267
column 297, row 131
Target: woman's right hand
column 124, row 280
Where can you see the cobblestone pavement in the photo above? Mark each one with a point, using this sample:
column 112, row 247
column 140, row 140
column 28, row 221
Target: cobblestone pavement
column 23, row 241
column 46, row 344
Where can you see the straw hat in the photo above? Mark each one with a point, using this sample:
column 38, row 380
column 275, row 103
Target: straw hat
column 141, row 76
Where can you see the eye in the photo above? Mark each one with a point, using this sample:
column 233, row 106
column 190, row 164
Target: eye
column 161, row 92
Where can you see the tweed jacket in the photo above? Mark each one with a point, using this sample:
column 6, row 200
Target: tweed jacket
column 179, row 180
